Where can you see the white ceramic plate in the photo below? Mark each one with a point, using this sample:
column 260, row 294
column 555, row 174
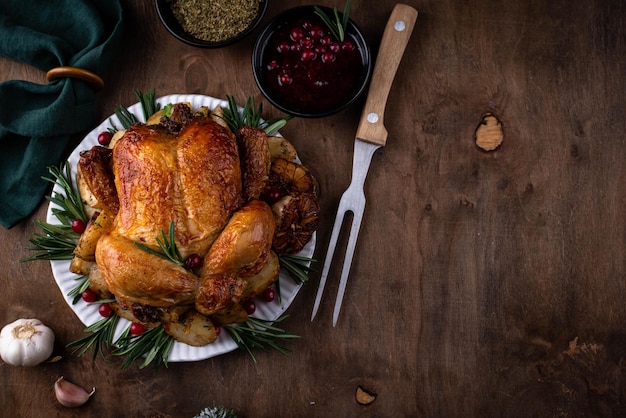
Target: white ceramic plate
column 88, row 314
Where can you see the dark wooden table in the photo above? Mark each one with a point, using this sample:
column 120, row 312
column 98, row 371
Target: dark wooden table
column 484, row 283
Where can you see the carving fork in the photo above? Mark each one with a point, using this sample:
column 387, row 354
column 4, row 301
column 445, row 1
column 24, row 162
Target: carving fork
column 371, row 135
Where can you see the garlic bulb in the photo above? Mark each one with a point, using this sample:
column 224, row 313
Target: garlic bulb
column 26, row 342
column 69, row 394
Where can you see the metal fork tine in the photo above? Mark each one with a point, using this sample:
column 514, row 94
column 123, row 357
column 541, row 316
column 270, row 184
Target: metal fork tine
column 347, row 262
column 352, row 200
column 329, row 255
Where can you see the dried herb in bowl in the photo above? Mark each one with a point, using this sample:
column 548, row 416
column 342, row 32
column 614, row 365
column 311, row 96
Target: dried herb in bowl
column 215, row 20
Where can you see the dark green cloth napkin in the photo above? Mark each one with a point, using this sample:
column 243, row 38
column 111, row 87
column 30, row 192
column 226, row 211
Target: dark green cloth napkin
column 39, row 122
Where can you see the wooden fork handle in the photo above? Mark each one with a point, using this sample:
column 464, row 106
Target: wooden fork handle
column 394, row 41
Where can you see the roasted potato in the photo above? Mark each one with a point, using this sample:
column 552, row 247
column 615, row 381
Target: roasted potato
column 116, row 137
column 97, row 225
column 234, row 314
column 281, row 148
column 217, row 115
column 80, row 266
column 192, row 328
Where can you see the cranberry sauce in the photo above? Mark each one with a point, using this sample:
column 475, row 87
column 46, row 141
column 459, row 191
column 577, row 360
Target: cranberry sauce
column 308, row 71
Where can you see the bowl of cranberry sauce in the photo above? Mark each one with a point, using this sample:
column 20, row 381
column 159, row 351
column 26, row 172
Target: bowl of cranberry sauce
column 304, row 70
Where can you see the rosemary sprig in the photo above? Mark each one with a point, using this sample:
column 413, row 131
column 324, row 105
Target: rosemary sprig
column 54, row 242
column 81, row 286
column 100, row 338
column 149, row 106
column 69, row 204
column 297, row 266
column 57, row 241
column 125, row 117
column 249, row 116
column 256, row 333
column 155, row 344
column 167, row 244
column 338, row 25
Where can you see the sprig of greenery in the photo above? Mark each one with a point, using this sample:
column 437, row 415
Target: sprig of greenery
column 70, row 206
column 82, row 285
column 250, row 115
column 167, row 244
column 217, row 412
column 57, row 241
column 155, row 344
column 99, row 340
column 167, row 110
column 337, row 25
column 54, row 242
column 126, row 118
column 297, row 266
column 256, row 333
column 149, row 106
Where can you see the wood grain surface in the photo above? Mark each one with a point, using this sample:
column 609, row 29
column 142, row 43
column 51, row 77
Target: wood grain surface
column 483, row 284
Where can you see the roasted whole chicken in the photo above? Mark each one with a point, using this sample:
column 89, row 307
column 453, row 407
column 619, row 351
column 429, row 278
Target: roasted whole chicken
column 222, row 199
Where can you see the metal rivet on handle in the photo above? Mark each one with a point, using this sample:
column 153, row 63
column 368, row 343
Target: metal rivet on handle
column 372, row 117
column 399, row 26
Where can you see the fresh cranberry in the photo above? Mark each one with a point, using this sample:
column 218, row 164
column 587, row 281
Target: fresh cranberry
column 316, row 32
column 269, row 294
column 306, row 25
column 193, row 262
column 272, row 65
column 296, row 34
column 335, row 47
column 319, row 49
column 273, row 195
column 137, row 328
column 282, row 47
column 78, row 226
column 295, row 47
column 218, row 330
column 284, row 80
column 89, row 296
column 105, row 310
column 328, row 57
column 249, row 306
column 326, row 40
column 104, row 138
column 308, row 55
column 307, row 42
column 348, row 46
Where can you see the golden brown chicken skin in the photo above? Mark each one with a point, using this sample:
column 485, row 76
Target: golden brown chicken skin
column 194, row 180
column 256, row 161
column 95, row 168
column 240, row 251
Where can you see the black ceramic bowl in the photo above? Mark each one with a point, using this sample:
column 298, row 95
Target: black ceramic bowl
column 303, row 70
column 164, row 10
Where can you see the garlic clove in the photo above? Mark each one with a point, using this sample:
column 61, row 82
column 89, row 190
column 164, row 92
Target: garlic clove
column 69, row 394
